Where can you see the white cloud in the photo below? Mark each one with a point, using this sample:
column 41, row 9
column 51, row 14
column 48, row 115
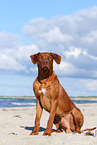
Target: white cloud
column 64, row 69
column 24, row 52
column 73, row 52
column 74, row 37
column 90, row 84
column 8, row 40
column 56, row 36
column 8, row 63
column 13, row 56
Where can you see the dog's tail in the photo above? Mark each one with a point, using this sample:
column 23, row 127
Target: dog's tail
column 88, row 129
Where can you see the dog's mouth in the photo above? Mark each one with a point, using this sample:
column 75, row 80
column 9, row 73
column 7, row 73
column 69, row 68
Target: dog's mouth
column 45, row 68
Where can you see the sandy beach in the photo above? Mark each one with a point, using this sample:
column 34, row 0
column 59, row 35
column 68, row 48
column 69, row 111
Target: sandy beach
column 16, row 125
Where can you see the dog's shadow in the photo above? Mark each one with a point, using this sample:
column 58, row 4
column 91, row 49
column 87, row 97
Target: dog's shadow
column 40, row 128
column 32, row 128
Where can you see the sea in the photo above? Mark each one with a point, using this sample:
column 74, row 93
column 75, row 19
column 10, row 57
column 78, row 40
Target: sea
column 28, row 102
column 17, row 102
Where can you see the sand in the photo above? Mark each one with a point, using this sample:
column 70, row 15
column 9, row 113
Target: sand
column 16, row 125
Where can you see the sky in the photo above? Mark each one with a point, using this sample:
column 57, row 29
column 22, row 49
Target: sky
column 67, row 28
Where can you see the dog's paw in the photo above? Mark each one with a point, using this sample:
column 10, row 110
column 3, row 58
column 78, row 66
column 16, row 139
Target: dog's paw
column 34, row 133
column 46, row 133
column 68, row 130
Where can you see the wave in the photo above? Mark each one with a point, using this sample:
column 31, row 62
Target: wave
column 17, row 102
column 23, row 104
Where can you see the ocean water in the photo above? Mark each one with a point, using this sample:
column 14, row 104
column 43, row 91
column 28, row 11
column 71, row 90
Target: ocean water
column 26, row 102
column 17, row 102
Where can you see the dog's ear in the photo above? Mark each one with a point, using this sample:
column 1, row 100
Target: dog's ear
column 56, row 57
column 34, row 58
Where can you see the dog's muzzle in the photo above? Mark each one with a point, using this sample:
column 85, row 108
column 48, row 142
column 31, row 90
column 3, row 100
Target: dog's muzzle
column 45, row 65
column 45, row 68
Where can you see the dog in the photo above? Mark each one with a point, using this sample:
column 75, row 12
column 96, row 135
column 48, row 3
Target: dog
column 53, row 98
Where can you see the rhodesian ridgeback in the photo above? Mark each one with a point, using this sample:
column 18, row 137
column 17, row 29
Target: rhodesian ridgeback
column 53, row 98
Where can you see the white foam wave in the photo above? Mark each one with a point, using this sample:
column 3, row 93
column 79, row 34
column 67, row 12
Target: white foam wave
column 20, row 104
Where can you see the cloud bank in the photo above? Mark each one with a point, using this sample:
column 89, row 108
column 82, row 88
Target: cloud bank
column 73, row 36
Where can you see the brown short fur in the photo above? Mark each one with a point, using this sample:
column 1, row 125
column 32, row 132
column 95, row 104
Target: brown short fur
column 53, row 98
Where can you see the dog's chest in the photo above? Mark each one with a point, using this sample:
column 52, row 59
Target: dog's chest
column 43, row 89
column 45, row 97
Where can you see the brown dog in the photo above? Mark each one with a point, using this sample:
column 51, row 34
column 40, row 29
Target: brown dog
column 52, row 97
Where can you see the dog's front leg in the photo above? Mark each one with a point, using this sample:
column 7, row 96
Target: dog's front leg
column 39, row 110
column 51, row 118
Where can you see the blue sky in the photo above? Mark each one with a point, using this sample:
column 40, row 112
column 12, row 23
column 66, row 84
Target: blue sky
column 68, row 28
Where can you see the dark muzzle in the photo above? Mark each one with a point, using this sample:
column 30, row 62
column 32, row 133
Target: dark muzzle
column 45, row 65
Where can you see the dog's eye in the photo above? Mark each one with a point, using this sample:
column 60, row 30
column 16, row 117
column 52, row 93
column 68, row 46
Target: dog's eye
column 40, row 58
column 49, row 58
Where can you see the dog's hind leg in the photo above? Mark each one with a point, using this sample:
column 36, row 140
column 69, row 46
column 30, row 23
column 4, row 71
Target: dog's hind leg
column 78, row 119
column 67, row 123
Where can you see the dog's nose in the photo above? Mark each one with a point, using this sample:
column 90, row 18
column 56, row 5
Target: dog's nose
column 45, row 62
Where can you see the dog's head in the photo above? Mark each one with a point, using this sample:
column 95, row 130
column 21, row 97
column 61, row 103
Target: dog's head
column 45, row 61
